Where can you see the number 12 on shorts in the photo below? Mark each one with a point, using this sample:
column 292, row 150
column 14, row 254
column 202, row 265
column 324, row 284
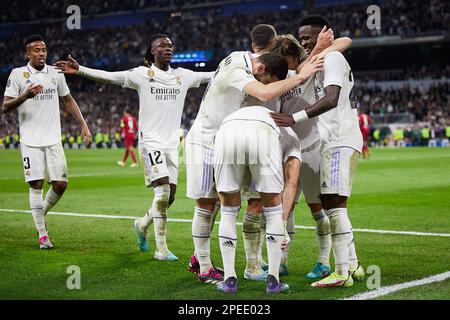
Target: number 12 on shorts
column 155, row 158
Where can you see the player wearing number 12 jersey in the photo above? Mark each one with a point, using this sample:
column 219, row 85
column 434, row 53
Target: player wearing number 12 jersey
column 162, row 91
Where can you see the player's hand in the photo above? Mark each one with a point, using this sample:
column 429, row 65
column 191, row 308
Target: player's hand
column 282, row 120
column 287, row 239
column 324, row 39
column 311, row 67
column 70, row 66
column 86, row 134
column 33, row 90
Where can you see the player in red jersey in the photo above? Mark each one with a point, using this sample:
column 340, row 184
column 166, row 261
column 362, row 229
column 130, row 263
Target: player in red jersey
column 364, row 124
column 128, row 130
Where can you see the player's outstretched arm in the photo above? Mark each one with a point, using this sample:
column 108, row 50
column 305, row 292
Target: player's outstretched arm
column 72, row 106
column 71, row 66
column 266, row 92
column 10, row 103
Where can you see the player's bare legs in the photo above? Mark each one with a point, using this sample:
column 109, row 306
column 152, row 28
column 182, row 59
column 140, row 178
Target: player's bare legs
column 202, row 224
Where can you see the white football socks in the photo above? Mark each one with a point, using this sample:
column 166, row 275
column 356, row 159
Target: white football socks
column 353, row 258
column 201, row 235
column 262, row 240
column 274, row 237
column 214, row 215
column 146, row 221
column 37, row 210
column 228, row 239
column 159, row 213
column 51, row 198
column 323, row 236
column 251, row 231
column 290, row 228
column 341, row 238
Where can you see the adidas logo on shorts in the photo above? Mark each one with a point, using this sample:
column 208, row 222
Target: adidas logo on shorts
column 271, row 239
column 324, row 185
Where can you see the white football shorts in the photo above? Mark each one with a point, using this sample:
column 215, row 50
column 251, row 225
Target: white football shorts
column 47, row 162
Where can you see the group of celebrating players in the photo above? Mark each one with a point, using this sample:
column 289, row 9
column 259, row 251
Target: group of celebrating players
column 273, row 123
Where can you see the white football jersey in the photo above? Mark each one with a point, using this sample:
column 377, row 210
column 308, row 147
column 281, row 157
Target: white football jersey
column 161, row 101
column 338, row 127
column 223, row 96
column 299, row 98
column 39, row 119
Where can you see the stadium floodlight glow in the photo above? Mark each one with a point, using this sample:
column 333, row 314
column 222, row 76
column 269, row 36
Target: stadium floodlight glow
column 192, row 56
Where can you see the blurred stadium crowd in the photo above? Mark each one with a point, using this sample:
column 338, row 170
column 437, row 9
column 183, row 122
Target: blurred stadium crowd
column 202, row 26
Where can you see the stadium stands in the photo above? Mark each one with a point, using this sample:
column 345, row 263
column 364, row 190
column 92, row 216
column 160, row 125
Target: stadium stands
column 213, row 26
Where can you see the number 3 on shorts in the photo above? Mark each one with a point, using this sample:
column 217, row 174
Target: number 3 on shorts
column 26, row 160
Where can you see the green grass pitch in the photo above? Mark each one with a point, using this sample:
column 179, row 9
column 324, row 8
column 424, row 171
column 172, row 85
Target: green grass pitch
column 397, row 189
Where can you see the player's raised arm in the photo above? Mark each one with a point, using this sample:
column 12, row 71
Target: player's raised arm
column 71, row 66
column 204, row 77
column 266, row 92
column 340, row 44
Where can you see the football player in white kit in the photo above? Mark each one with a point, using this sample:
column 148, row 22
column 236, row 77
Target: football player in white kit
column 162, row 91
column 292, row 100
column 35, row 90
column 238, row 76
column 341, row 144
column 249, row 140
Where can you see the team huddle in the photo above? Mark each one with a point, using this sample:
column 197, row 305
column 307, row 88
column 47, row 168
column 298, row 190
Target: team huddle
column 273, row 124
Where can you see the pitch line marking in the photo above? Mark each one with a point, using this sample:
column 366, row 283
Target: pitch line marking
column 105, row 216
column 401, row 286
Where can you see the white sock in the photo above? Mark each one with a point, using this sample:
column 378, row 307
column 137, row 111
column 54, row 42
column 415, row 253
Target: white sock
column 228, row 239
column 274, row 237
column 159, row 212
column 262, row 239
column 51, row 198
column 251, row 230
column 214, row 215
column 201, row 235
column 323, row 236
column 341, row 237
column 146, row 220
column 290, row 228
column 353, row 258
column 37, row 210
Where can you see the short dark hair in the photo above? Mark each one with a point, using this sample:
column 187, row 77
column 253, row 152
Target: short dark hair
column 263, row 35
column 33, row 38
column 274, row 64
column 287, row 45
column 149, row 58
column 315, row 20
